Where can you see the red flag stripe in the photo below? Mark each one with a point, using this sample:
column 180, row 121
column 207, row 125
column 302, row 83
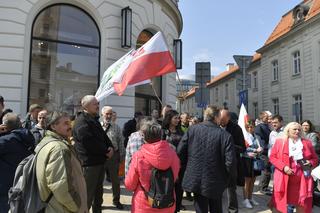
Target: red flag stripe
column 146, row 67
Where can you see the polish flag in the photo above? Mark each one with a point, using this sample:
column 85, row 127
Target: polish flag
column 137, row 67
column 151, row 60
column 243, row 119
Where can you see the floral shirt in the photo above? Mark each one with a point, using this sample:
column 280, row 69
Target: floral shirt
column 135, row 142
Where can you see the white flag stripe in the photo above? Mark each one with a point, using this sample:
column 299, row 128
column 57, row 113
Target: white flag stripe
column 241, row 122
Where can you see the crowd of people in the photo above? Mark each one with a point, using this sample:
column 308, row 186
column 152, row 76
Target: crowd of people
column 164, row 155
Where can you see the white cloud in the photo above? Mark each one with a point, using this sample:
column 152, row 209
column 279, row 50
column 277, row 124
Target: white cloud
column 203, row 55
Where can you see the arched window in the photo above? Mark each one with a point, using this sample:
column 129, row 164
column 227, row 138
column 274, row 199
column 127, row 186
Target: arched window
column 145, row 98
column 65, row 58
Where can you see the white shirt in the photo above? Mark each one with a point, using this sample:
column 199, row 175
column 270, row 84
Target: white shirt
column 295, row 149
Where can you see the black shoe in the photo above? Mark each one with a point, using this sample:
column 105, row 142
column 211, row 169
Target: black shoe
column 118, row 205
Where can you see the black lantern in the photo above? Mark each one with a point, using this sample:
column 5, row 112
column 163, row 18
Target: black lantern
column 177, row 51
column 126, row 28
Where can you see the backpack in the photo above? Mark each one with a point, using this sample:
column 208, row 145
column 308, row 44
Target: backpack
column 24, row 196
column 161, row 193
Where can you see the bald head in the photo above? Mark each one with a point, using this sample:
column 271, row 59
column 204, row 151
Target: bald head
column 225, row 117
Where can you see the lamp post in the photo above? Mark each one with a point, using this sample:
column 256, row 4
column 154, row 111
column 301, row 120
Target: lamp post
column 126, row 27
column 177, row 51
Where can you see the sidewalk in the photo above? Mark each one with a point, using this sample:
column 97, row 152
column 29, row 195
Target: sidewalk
column 126, row 200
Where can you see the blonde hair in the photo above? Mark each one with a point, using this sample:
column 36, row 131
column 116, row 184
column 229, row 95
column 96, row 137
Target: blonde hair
column 211, row 113
column 290, row 126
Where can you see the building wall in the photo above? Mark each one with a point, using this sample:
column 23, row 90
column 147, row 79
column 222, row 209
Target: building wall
column 231, row 100
column 16, row 19
column 307, row 41
column 254, row 94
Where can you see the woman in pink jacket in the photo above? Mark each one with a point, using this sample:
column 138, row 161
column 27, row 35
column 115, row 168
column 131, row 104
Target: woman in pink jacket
column 293, row 158
column 153, row 154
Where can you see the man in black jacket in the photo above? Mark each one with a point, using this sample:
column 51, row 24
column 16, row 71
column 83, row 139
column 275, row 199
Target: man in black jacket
column 130, row 127
column 263, row 130
column 93, row 148
column 207, row 153
column 240, row 146
column 16, row 143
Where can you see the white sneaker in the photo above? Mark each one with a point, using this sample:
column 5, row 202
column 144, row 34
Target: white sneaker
column 253, row 202
column 246, row 203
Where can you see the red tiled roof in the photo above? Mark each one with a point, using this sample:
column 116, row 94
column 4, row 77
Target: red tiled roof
column 191, row 92
column 287, row 21
column 256, row 57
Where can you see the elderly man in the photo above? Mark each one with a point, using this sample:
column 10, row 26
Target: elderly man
column 208, row 161
column 59, row 173
column 112, row 165
column 40, row 128
column 93, row 148
column 16, row 143
column 239, row 145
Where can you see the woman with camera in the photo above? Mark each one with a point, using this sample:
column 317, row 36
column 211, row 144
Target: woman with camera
column 293, row 158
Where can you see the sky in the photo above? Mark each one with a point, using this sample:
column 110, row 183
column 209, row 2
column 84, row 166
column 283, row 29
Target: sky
column 215, row 30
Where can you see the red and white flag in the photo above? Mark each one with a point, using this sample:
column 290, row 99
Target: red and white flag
column 137, row 67
column 243, row 119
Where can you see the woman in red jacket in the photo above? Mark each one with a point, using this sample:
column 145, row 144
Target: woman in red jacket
column 293, row 158
column 155, row 153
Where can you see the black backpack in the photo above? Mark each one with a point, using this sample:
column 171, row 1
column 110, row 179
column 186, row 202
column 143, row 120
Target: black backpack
column 24, row 196
column 161, row 193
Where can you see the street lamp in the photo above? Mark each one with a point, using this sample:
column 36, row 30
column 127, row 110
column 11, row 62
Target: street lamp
column 126, row 27
column 177, row 51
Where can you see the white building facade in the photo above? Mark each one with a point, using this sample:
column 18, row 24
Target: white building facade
column 285, row 75
column 53, row 52
column 289, row 75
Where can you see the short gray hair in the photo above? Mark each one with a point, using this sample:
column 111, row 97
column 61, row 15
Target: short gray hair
column 151, row 131
column 106, row 108
column 211, row 113
column 11, row 121
column 86, row 100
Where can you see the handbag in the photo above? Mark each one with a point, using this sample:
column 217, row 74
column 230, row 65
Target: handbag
column 258, row 164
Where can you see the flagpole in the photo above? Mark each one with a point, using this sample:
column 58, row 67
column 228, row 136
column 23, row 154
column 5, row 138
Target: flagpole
column 155, row 92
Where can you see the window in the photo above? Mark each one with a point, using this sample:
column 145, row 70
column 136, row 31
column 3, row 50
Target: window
column 255, row 80
column 42, row 93
column 255, row 109
column 217, row 94
column 226, row 97
column 296, row 63
column 275, row 70
column 275, row 103
column 297, row 108
column 65, row 58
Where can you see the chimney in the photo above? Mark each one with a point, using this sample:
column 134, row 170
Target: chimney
column 69, row 67
column 229, row 66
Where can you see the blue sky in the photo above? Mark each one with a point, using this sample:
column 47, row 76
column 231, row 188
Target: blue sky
column 216, row 30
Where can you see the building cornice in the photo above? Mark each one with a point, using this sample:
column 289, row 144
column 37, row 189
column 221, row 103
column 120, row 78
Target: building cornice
column 170, row 7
